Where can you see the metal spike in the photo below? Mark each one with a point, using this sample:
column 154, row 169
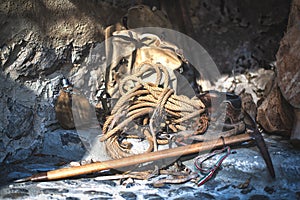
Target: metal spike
column 260, row 143
column 22, row 180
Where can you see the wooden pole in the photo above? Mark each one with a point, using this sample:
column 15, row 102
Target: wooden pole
column 137, row 159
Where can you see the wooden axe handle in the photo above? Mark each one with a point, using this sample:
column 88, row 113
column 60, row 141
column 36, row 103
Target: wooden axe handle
column 137, row 159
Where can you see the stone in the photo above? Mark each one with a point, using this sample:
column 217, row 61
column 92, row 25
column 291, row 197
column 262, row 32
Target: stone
column 180, row 191
column 294, row 15
column 54, row 191
column 17, row 195
column 106, row 182
column 269, row 190
column 259, row 196
column 186, row 197
column 153, row 197
column 291, row 171
column 65, row 144
column 247, row 190
column 225, row 187
column 98, row 193
column 298, row 195
column 203, row 195
column 128, row 195
column 19, row 190
column 234, row 198
column 288, row 74
column 263, row 78
column 16, row 104
column 72, row 198
column 129, row 185
column 164, row 186
column 274, row 114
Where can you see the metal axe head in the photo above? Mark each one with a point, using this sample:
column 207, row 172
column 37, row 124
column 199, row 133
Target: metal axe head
column 260, row 142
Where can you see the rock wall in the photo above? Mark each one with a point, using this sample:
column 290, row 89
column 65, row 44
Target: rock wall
column 279, row 113
column 40, row 41
column 237, row 34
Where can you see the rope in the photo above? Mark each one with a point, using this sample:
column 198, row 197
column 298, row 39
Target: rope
column 147, row 110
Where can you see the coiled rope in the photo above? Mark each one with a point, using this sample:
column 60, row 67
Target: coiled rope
column 149, row 111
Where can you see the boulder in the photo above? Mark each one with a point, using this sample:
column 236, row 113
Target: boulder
column 274, row 113
column 288, row 67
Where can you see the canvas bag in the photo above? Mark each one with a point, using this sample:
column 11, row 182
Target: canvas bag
column 127, row 49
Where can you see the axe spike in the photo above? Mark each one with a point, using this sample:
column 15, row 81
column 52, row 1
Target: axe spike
column 260, row 142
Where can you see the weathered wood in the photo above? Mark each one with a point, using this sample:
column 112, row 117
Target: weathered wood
column 138, row 159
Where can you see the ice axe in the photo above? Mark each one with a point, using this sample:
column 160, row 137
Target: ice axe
column 157, row 155
column 260, row 142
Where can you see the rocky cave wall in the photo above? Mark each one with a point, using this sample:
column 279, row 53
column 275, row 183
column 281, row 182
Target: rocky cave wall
column 240, row 35
column 40, row 41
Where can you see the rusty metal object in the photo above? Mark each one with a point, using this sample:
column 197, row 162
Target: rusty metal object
column 72, row 105
column 63, row 110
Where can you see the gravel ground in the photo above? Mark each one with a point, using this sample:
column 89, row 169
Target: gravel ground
column 243, row 165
